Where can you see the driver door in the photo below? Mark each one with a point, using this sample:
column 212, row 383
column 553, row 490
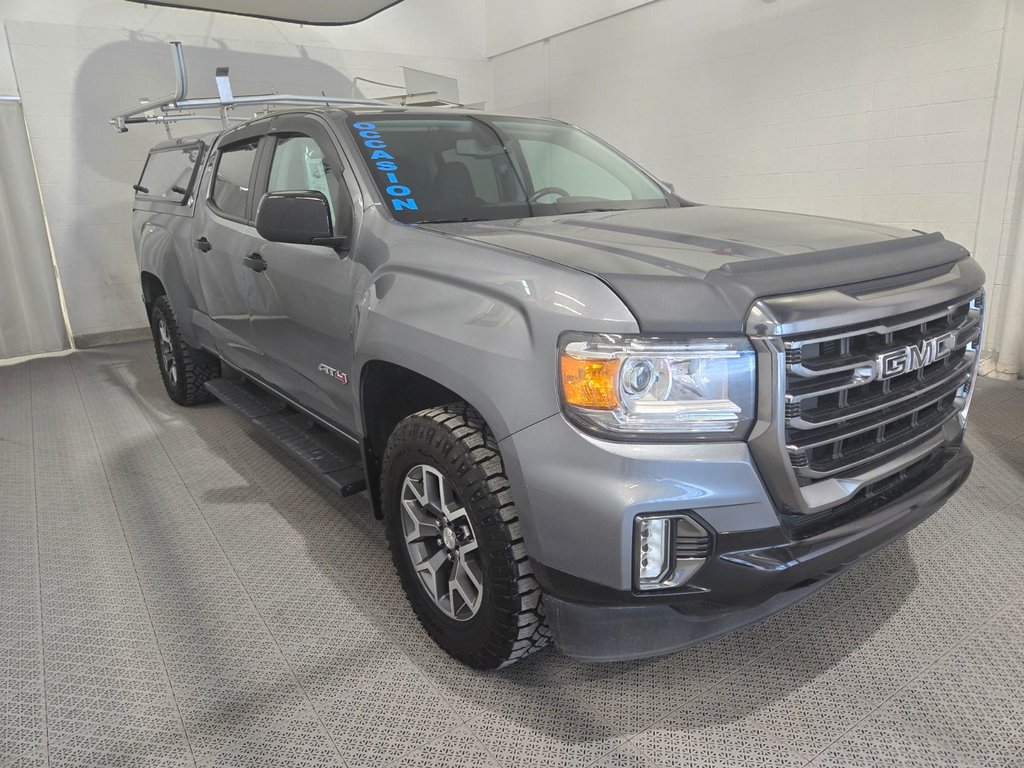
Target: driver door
column 300, row 301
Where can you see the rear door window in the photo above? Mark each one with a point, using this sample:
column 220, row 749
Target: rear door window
column 233, row 180
column 169, row 174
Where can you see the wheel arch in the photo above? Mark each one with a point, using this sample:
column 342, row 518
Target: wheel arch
column 388, row 393
column 152, row 289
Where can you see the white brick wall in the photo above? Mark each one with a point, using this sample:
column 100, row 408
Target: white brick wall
column 877, row 109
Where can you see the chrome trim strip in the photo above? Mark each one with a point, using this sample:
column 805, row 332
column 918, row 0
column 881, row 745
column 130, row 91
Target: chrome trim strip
column 853, row 413
column 883, row 327
column 835, row 491
column 971, row 324
column 821, row 474
column 792, row 399
column 799, row 448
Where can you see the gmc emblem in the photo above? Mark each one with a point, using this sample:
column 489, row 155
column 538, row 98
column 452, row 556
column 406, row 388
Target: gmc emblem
column 909, row 359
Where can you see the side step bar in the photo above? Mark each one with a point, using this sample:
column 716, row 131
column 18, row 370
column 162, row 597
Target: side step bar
column 330, row 457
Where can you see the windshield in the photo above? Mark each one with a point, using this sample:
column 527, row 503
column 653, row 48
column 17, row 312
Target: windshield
column 468, row 168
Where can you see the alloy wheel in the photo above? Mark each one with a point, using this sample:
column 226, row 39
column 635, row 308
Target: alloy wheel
column 441, row 543
column 167, row 352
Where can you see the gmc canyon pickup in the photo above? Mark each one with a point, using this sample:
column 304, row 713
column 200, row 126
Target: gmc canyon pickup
column 586, row 409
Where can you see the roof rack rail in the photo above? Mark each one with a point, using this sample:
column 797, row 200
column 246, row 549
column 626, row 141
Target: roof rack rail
column 178, row 106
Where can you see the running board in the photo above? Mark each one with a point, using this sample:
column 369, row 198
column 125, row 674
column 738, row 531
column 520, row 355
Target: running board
column 329, row 456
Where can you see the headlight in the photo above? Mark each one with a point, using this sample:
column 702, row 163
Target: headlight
column 642, row 387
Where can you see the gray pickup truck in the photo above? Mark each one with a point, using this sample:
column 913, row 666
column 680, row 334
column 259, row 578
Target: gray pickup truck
column 586, row 409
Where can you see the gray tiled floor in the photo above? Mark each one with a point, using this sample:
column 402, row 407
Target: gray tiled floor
column 173, row 592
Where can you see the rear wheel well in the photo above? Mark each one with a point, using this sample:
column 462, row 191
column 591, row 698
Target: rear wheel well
column 152, row 289
column 389, row 393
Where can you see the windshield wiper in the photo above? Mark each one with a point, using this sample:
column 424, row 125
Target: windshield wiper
column 449, row 221
column 597, row 210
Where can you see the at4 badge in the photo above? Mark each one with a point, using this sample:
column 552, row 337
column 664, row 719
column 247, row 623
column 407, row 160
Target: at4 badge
column 334, row 373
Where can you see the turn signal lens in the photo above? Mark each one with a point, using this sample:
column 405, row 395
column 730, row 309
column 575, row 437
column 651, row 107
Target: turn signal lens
column 590, row 383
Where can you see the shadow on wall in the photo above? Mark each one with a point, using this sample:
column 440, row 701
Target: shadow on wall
column 87, row 169
column 116, row 76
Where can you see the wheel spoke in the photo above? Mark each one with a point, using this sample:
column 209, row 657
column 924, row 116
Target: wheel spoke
column 415, row 486
column 457, row 516
column 444, row 495
column 431, row 570
column 419, row 525
column 464, row 583
column 433, row 487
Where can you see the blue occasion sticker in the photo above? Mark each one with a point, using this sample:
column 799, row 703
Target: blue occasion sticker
column 398, row 193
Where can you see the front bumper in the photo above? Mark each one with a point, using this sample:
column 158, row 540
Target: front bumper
column 577, row 511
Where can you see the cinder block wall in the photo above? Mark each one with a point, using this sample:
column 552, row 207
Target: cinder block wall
column 875, row 110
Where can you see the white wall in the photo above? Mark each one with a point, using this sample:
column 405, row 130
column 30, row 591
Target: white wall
column 511, row 25
column 77, row 62
column 878, row 110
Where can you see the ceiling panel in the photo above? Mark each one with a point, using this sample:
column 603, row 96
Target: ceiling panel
column 319, row 12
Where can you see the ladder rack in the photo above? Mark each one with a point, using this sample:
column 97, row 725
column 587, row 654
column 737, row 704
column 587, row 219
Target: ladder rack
column 178, row 106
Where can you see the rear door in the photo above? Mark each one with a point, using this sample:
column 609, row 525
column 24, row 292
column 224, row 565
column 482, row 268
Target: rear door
column 301, row 302
column 223, row 235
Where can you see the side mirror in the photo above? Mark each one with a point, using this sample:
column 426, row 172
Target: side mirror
column 669, row 186
column 302, row 217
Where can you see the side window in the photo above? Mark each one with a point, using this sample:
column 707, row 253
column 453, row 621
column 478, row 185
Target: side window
column 168, row 174
column 299, row 164
column 230, row 192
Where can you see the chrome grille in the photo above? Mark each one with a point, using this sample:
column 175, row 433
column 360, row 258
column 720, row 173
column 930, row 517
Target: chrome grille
column 842, row 413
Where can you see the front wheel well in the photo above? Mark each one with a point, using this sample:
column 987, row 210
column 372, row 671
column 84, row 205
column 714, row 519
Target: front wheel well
column 389, row 393
column 152, row 289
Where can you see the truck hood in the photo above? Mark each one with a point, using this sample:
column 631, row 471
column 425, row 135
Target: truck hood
column 701, row 267
column 688, row 241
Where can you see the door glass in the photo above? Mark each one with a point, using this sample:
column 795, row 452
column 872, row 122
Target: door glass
column 231, row 184
column 299, row 165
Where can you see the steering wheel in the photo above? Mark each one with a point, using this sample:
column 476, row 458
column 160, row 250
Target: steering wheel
column 547, row 191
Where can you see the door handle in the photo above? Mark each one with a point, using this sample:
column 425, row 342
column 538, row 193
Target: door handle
column 255, row 263
column 203, row 244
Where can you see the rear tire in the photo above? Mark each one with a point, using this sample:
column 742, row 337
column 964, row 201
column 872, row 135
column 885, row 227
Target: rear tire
column 184, row 369
column 455, row 539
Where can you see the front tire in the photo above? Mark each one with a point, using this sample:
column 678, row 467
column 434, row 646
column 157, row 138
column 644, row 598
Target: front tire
column 455, row 539
column 184, row 369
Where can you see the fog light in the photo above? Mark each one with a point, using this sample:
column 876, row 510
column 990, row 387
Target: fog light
column 668, row 550
column 652, row 541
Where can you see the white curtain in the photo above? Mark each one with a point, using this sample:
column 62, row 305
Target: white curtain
column 31, row 320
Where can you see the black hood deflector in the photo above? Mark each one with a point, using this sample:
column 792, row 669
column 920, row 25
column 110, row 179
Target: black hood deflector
column 700, row 269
